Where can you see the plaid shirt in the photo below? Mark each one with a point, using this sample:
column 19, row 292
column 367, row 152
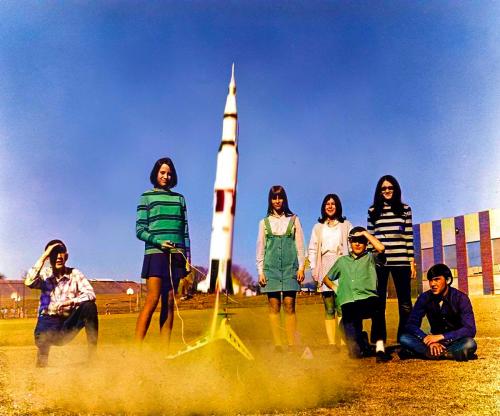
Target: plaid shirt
column 72, row 286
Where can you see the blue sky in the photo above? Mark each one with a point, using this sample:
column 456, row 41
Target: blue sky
column 331, row 96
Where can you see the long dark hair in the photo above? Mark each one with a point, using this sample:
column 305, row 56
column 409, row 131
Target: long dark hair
column 153, row 177
column 338, row 209
column 395, row 203
column 278, row 190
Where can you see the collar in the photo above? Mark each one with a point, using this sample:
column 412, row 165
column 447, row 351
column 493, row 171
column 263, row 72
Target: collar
column 445, row 298
column 58, row 279
column 354, row 257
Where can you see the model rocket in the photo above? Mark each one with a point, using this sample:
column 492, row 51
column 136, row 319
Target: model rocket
column 221, row 241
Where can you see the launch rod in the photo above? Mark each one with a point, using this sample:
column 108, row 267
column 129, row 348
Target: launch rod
column 213, row 326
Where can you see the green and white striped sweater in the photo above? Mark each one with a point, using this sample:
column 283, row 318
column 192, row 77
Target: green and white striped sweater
column 162, row 216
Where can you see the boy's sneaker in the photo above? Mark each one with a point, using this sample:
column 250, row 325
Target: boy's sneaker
column 463, row 356
column 405, row 354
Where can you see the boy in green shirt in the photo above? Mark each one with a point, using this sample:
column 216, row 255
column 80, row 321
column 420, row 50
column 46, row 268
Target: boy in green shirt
column 357, row 293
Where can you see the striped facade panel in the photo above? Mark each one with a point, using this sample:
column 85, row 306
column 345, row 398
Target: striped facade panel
column 426, row 235
column 471, row 224
column 486, row 253
column 461, row 247
column 448, row 231
column 495, row 223
column 418, row 256
column 437, row 238
column 426, row 251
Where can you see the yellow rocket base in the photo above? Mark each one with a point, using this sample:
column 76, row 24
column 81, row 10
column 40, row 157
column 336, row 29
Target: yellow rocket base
column 223, row 332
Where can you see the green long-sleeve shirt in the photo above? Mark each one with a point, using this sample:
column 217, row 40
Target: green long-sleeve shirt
column 357, row 277
column 162, row 216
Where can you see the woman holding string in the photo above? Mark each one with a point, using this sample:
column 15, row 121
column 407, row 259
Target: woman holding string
column 162, row 224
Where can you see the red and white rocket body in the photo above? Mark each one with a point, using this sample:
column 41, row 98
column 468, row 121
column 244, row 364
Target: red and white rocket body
column 221, row 241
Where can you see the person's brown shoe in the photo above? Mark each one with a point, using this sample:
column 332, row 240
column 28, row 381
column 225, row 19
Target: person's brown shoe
column 42, row 360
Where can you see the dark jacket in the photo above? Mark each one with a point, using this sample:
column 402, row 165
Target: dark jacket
column 454, row 319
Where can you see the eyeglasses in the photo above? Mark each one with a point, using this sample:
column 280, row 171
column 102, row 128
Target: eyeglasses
column 387, row 188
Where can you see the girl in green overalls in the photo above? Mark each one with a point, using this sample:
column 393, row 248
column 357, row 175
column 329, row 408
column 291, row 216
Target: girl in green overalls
column 280, row 262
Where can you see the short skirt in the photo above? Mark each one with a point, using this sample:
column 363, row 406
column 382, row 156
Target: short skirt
column 158, row 265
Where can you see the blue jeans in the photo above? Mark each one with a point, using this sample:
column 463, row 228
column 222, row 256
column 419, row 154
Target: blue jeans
column 461, row 349
column 58, row 330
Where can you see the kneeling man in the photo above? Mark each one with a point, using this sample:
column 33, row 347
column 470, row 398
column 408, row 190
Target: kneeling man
column 67, row 302
column 450, row 315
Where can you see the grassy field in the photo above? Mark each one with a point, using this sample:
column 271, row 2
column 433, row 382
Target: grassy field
column 127, row 380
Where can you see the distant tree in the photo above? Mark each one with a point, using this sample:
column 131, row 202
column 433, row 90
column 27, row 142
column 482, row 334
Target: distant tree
column 238, row 272
column 2, row 276
column 199, row 273
column 242, row 275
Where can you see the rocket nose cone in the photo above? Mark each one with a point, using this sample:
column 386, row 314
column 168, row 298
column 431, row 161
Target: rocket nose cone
column 232, row 83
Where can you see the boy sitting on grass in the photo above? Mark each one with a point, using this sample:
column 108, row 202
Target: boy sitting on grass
column 357, row 293
column 451, row 318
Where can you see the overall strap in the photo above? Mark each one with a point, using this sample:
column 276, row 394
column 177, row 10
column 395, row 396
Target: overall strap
column 289, row 229
column 267, row 226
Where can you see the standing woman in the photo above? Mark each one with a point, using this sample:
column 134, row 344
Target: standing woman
column 162, row 225
column 280, row 262
column 390, row 220
column 329, row 241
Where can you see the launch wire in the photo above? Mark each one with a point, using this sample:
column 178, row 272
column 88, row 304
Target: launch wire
column 173, row 289
column 238, row 377
column 228, row 298
column 172, row 283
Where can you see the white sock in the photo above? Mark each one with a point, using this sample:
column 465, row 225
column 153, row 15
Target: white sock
column 379, row 346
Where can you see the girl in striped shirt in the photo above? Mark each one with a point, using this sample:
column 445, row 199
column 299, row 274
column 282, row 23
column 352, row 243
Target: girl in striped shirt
column 162, row 225
column 390, row 220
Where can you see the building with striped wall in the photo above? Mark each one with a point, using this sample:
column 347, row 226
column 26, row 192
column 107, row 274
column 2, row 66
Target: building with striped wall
column 469, row 244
